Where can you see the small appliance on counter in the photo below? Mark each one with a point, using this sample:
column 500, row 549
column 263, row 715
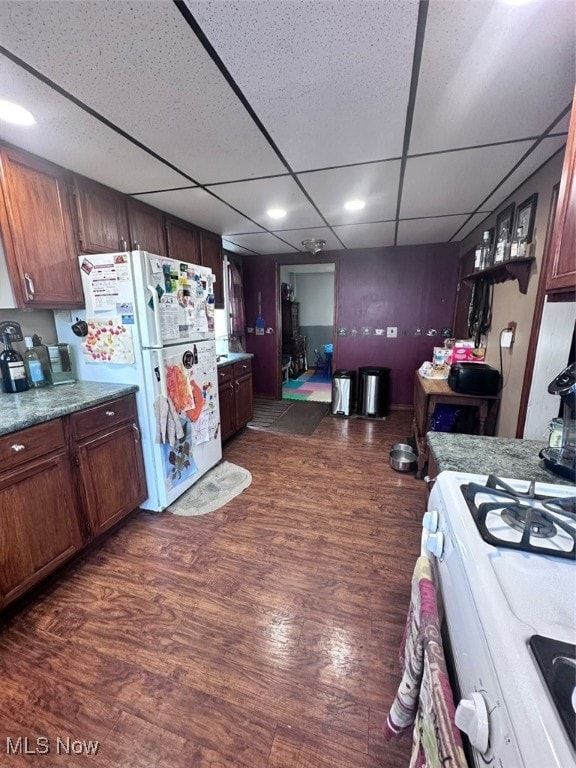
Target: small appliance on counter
column 562, row 459
column 474, row 379
column 61, row 364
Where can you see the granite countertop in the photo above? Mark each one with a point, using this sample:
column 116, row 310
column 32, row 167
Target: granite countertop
column 232, row 357
column 24, row 409
column 505, row 457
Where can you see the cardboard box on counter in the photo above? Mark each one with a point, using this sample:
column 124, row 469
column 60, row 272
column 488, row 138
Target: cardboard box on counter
column 466, row 352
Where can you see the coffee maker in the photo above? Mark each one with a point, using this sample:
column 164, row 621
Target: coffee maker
column 562, row 460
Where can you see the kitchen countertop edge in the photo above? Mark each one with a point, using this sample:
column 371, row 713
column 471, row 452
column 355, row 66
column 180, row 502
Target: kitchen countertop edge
column 481, row 455
column 233, row 357
column 26, row 409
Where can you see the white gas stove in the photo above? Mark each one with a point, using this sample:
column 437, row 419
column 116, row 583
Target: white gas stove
column 507, row 574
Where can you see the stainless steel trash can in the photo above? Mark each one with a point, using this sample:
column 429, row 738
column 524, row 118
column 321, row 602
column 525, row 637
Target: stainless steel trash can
column 373, row 386
column 343, row 392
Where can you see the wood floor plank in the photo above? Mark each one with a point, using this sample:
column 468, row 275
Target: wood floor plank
column 262, row 635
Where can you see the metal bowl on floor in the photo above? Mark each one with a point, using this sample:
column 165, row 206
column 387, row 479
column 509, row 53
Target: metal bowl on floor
column 401, row 447
column 403, row 461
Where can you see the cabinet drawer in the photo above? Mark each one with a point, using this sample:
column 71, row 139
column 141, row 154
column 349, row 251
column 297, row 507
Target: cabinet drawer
column 224, row 374
column 32, row 443
column 100, row 417
column 242, row 368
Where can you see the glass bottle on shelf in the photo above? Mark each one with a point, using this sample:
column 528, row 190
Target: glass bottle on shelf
column 34, row 370
column 502, row 252
column 518, row 248
column 12, row 368
column 486, row 247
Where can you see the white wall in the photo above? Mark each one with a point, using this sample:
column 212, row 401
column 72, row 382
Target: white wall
column 315, row 292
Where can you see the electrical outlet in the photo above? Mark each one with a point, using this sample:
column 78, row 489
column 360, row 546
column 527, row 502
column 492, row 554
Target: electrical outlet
column 512, row 325
column 391, row 332
column 507, row 335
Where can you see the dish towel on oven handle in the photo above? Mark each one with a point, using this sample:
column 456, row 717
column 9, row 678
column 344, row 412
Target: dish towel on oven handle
column 424, row 699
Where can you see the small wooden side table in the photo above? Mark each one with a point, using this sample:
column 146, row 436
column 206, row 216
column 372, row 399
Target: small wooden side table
column 428, row 393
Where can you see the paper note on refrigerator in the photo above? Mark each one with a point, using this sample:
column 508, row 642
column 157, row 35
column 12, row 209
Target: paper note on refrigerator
column 108, row 341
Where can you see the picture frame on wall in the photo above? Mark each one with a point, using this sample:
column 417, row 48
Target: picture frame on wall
column 504, row 234
column 525, row 216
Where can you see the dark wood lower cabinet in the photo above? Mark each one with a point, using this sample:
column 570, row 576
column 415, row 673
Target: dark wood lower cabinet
column 235, row 397
column 62, row 483
column 39, row 527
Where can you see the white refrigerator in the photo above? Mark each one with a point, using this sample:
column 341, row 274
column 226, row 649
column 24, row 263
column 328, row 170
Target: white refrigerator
column 149, row 321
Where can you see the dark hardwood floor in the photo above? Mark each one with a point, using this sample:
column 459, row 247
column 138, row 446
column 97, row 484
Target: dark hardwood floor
column 262, row 635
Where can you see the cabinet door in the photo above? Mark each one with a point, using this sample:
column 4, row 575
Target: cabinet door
column 146, row 228
column 244, row 400
column 38, row 523
column 183, row 241
column 38, row 232
column 212, row 256
column 561, row 275
column 102, row 220
column 227, row 402
column 111, row 475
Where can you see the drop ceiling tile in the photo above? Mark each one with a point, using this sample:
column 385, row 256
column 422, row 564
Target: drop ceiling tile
column 255, row 197
column 329, row 80
column 200, row 208
column 141, row 66
column 262, row 243
column 475, row 221
column 492, row 72
column 455, row 182
column 367, row 235
column 228, row 245
column 376, row 184
column 419, row 231
column 67, row 135
column 295, row 237
column 540, row 155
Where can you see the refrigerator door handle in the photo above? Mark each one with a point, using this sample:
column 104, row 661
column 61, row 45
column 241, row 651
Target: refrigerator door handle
column 156, row 311
column 162, row 373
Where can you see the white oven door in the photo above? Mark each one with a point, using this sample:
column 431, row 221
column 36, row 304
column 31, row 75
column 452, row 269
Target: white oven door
column 480, row 712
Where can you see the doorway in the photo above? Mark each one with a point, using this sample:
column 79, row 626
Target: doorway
column 307, row 293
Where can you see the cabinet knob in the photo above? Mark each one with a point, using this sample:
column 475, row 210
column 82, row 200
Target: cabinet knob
column 29, row 287
column 110, row 413
column 17, row 447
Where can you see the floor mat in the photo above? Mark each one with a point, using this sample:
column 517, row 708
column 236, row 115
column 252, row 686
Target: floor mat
column 308, row 387
column 267, row 411
column 300, row 419
column 218, row 486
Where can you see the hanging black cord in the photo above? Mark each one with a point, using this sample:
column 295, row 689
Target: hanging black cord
column 480, row 310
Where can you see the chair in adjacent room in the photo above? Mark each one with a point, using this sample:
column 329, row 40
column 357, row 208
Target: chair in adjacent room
column 322, row 367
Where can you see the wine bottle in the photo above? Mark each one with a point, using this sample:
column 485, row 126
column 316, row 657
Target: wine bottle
column 33, row 363
column 12, row 368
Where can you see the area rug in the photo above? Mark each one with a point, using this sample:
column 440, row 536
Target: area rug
column 267, row 411
column 309, row 387
column 218, row 486
column 300, row 419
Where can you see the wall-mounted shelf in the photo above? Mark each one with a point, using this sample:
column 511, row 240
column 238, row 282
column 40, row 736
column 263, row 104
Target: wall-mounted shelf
column 517, row 269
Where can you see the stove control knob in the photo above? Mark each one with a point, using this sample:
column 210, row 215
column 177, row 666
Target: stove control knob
column 472, row 718
column 435, row 544
column 430, row 521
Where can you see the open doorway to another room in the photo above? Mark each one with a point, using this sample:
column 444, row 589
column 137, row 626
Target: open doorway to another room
column 307, row 294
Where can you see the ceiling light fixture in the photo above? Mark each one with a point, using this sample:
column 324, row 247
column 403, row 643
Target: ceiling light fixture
column 313, row 244
column 14, row 113
column 354, row 205
column 276, row 213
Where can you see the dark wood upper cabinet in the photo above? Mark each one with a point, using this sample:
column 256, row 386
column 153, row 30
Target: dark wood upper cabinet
column 102, row 219
column 146, row 225
column 212, row 256
column 37, row 223
column 183, row 240
column 561, row 273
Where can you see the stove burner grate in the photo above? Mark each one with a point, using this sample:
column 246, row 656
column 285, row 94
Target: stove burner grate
column 541, row 523
column 516, row 516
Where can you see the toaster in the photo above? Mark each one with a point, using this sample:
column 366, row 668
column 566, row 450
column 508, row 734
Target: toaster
column 474, row 379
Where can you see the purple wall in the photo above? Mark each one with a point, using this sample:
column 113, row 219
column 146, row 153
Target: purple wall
column 408, row 287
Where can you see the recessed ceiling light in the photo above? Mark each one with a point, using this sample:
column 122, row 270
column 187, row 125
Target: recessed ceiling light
column 354, row 205
column 276, row 213
column 14, row 113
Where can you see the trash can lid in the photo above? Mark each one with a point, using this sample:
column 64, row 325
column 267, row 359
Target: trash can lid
column 343, row 373
column 374, row 370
